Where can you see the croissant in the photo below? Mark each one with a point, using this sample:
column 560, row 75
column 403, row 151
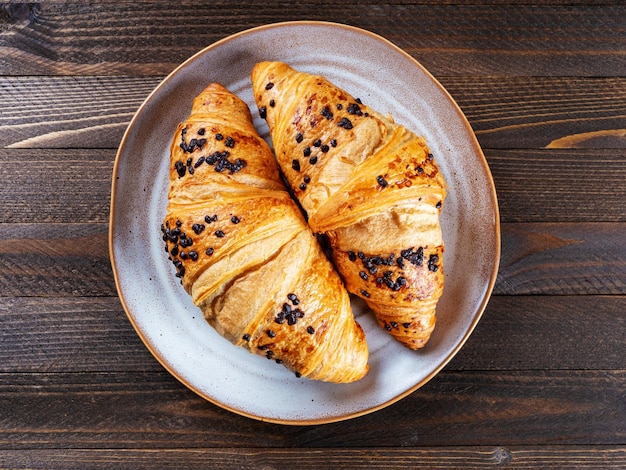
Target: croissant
column 369, row 185
column 244, row 253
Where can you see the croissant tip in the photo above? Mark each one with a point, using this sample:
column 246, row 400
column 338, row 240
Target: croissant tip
column 216, row 87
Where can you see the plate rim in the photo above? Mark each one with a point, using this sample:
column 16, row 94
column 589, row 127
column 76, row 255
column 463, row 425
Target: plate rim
column 474, row 144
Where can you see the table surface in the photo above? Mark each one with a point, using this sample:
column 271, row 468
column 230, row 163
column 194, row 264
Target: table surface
column 540, row 382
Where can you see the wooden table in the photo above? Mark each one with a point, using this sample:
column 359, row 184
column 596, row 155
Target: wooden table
column 540, row 383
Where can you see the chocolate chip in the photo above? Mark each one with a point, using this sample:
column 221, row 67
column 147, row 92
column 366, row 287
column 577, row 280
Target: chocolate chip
column 345, row 123
column 181, row 169
column 197, row 228
column 354, row 108
column 432, row 263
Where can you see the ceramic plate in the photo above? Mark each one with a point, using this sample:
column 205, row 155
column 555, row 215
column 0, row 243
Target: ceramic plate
column 382, row 76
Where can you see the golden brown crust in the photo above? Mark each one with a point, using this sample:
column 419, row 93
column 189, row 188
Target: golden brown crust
column 245, row 254
column 370, row 185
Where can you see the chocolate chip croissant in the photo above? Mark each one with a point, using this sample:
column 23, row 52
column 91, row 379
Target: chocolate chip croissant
column 370, row 185
column 243, row 251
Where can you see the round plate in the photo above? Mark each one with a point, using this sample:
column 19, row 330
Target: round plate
column 390, row 81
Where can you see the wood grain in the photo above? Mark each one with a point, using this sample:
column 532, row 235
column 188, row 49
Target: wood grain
column 513, row 457
column 69, row 112
column 151, row 38
column 562, row 259
column 61, row 186
column 70, row 335
column 559, row 185
column 72, row 259
column 92, row 334
column 532, row 185
column 152, row 410
column 547, row 332
column 505, row 112
column 543, row 112
column 55, row 260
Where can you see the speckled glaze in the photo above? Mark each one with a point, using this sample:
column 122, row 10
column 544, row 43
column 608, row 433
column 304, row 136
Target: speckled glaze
column 173, row 329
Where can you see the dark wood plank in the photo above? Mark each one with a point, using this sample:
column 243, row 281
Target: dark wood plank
column 80, row 334
column 558, row 185
column 72, row 259
column 55, row 260
column 61, row 186
column 554, row 185
column 562, row 259
column 538, row 112
column 485, row 38
column 152, row 410
column 505, row 112
column 65, row 334
column 547, row 332
column 69, row 112
column 469, row 457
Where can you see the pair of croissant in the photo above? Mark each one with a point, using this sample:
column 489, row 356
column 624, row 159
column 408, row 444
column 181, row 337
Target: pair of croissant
column 249, row 259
